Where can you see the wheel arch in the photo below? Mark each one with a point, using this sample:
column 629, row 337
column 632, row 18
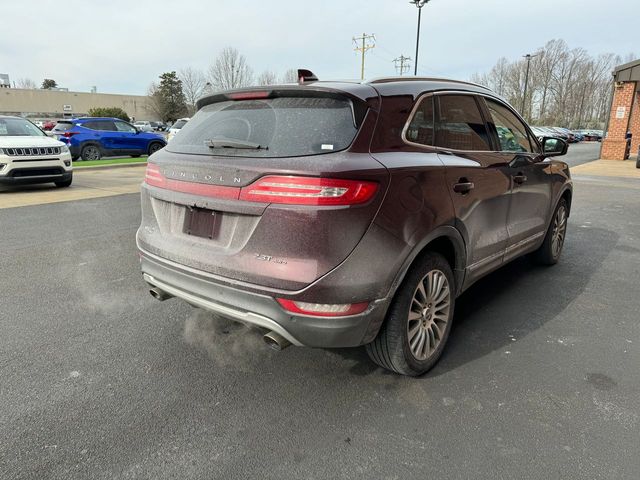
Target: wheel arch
column 567, row 194
column 153, row 142
column 445, row 240
column 91, row 143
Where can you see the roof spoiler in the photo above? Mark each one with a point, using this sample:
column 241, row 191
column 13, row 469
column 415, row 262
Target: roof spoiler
column 306, row 76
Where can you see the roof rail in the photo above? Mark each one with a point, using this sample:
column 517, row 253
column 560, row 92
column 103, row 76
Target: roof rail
column 421, row 79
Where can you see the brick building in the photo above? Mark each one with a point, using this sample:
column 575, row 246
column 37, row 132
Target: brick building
column 624, row 115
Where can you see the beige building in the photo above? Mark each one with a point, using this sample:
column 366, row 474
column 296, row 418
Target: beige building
column 40, row 104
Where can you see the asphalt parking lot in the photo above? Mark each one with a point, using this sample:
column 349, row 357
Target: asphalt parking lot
column 98, row 380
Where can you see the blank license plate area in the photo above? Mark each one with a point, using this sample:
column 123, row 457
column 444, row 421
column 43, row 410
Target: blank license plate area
column 201, row 222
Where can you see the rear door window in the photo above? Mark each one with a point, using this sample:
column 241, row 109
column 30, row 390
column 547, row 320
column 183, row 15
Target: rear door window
column 92, row 125
column 106, row 126
column 281, row 126
column 459, row 124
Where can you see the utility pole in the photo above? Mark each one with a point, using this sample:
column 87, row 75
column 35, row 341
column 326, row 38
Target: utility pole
column 419, row 4
column 364, row 43
column 528, row 56
column 402, row 64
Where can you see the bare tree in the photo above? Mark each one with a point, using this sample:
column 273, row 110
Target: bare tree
column 26, row 83
column 267, row 78
column 290, row 76
column 230, row 70
column 155, row 105
column 566, row 86
column 193, row 86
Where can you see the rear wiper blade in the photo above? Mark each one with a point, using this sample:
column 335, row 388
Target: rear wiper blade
column 233, row 143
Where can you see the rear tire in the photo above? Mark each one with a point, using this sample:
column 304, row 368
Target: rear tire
column 90, row 152
column 549, row 252
column 64, row 183
column 154, row 147
column 419, row 319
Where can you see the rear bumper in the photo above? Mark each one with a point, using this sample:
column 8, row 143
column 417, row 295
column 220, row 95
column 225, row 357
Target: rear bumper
column 262, row 310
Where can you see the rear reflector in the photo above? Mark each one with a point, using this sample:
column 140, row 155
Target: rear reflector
column 323, row 309
column 308, row 191
column 287, row 190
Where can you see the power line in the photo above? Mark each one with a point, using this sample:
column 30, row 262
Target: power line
column 402, row 64
column 362, row 44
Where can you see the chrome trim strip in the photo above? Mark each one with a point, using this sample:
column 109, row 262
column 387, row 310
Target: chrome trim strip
column 506, row 251
column 481, row 262
column 32, row 151
column 217, row 278
column 524, row 242
column 461, row 92
column 247, row 317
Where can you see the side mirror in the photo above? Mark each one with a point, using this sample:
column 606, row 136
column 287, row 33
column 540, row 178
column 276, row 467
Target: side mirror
column 554, row 147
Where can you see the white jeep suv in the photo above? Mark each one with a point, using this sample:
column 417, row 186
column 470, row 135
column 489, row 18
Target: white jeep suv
column 28, row 155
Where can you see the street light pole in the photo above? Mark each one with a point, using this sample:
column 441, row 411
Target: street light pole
column 528, row 56
column 419, row 4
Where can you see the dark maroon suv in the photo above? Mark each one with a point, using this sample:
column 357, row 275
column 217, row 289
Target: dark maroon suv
column 337, row 214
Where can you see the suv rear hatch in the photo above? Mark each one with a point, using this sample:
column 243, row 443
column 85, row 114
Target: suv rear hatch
column 272, row 188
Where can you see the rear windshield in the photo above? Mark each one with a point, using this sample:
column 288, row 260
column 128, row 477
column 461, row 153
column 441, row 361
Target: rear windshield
column 18, row 127
column 62, row 126
column 282, row 127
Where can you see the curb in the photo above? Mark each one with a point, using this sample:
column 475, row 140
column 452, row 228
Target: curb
column 109, row 167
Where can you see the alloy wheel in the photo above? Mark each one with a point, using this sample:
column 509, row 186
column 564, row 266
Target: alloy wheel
column 428, row 314
column 91, row 153
column 559, row 231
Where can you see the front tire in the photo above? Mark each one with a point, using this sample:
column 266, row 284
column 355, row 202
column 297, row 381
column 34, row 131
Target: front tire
column 64, row 183
column 549, row 252
column 419, row 319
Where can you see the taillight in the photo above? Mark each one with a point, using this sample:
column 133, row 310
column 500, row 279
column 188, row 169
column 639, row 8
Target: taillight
column 288, row 190
column 69, row 134
column 248, row 95
column 323, row 309
column 308, row 191
column 153, row 176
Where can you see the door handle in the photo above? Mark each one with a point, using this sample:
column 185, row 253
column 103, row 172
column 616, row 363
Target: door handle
column 519, row 178
column 463, row 186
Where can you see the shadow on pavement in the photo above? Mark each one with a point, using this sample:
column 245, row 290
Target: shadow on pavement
column 515, row 300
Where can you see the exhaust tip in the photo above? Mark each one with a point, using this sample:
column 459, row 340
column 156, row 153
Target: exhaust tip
column 158, row 294
column 276, row 341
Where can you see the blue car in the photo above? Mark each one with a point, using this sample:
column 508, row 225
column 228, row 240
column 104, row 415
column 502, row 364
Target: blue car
column 94, row 138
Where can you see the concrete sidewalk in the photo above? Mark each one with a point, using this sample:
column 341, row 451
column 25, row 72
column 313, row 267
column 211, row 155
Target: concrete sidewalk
column 608, row 168
column 89, row 183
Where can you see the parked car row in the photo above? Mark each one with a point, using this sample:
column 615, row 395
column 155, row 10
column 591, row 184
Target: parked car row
column 176, row 127
column 571, row 136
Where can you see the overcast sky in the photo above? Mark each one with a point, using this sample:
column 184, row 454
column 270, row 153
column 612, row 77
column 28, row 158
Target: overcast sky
column 122, row 45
